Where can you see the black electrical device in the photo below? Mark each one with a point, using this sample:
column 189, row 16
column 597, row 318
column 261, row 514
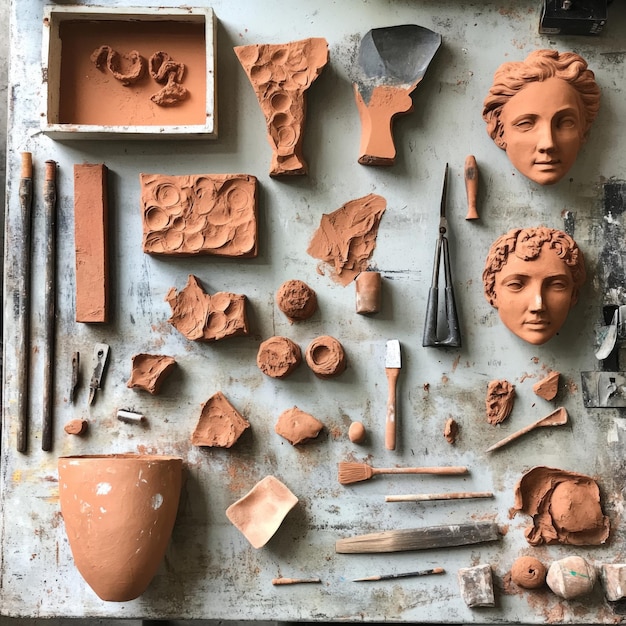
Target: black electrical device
column 573, row 17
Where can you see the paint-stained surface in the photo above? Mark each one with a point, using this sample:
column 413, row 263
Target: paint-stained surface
column 210, row 570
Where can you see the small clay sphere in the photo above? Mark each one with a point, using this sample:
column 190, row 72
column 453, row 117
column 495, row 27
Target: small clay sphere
column 325, row 356
column 571, row 577
column 278, row 357
column 357, row 432
column 296, row 300
column 528, row 572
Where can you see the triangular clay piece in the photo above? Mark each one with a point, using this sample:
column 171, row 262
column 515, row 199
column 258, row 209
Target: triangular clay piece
column 281, row 75
column 548, row 387
column 220, row 424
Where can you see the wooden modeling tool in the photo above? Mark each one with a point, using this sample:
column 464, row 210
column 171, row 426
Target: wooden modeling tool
column 356, row 472
column 21, row 238
column 427, row 497
column 424, row 572
column 393, row 363
column 294, row 581
column 49, row 238
column 558, row 417
column 419, row 538
column 471, row 187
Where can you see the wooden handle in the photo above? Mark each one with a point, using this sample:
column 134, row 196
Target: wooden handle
column 27, row 165
column 471, row 187
column 446, row 470
column 390, row 422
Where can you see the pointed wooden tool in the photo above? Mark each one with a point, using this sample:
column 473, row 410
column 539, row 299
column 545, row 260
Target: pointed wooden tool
column 556, row 418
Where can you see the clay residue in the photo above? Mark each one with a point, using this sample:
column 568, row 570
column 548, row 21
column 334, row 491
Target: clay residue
column 280, row 75
column 149, row 371
column 499, row 400
column 346, row 238
column 170, row 74
column 212, row 214
column 128, row 68
column 297, row 427
column 326, row 357
column 296, row 300
column 451, row 430
column 548, row 387
column 220, row 424
column 201, row 317
column 528, row 572
column 278, row 357
column 565, row 507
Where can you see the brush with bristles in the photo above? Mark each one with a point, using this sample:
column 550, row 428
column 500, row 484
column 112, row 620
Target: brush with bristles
column 356, row 472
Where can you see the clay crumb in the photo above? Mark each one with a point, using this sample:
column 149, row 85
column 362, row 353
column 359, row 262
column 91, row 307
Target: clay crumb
column 451, row 430
column 548, row 387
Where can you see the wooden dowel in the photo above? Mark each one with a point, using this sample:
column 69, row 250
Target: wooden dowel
column 294, row 581
column 425, row 497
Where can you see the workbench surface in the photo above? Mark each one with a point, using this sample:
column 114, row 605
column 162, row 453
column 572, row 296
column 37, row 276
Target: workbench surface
column 210, row 571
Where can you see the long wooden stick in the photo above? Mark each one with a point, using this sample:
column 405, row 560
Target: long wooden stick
column 425, row 497
column 294, row 581
column 424, row 572
column 49, row 238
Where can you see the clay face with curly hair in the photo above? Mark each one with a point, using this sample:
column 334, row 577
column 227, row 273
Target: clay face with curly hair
column 533, row 276
column 540, row 111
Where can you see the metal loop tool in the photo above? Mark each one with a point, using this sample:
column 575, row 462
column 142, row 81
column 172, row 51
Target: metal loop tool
column 431, row 327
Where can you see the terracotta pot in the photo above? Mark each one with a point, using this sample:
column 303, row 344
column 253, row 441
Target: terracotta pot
column 119, row 511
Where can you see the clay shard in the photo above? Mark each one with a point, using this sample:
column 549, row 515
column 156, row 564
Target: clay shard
column 548, row 387
column 280, row 75
column 296, row 300
column 278, row 357
column 213, row 214
column 565, row 507
column 76, row 427
column 346, row 238
column 326, row 357
column 149, row 371
column 201, row 317
column 297, row 427
column 220, row 424
column 499, row 400
column 451, row 430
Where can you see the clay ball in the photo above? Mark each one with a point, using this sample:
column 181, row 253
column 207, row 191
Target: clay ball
column 325, row 356
column 571, row 577
column 278, row 357
column 296, row 300
column 528, row 572
column 357, row 432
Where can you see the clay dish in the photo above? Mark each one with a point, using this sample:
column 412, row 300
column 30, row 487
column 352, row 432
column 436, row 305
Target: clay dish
column 259, row 514
column 325, row 356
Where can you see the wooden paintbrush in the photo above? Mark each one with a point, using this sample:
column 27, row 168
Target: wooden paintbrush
column 356, row 472
column 424, row 572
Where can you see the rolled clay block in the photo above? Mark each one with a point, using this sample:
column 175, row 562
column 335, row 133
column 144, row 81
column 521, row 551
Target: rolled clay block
column 368, row 293
column 76, row 427
column 296, row 300
column 278, row 357
column 91, row 242
column 149, row 371
column 212, row 214
column 220, row 424
column 297, row 427
column 201, row 317
column 325, row 356
column 571, row 577
column 476, row 585
column 499, row 400
column 613, row 577
column 451, row 430
column 528, row 572
column 280, row 75
column 548, row 387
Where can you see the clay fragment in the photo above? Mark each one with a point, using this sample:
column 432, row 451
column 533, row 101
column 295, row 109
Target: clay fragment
column 528, row 572
column 613, row 577
column 280, row 75
column 76, row 427
column 565, row 507
column 165, row 70
column 201, row 317
column 476, row 585
column 571, row 577
column 326, row 357
column 499, row 401
column 278, row 357
column 127, row 68
column 346, row 238
column 149, row 371
column 451, row 430
column 296, row 300
column 213, row 214
column 220, row 424
column 297, row 427
column 548, row 387
column 357, row 432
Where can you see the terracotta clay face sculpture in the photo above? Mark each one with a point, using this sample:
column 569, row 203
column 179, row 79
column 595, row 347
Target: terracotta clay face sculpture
column 281, row 75
column 533, row 277
column 220, row 424
column 540, row 111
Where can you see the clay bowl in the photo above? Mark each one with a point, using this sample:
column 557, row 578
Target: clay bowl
column 119, row 511
column 259, row 514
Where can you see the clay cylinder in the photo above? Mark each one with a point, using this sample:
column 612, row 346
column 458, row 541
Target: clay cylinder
column 119, row 511
column 368, row 292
